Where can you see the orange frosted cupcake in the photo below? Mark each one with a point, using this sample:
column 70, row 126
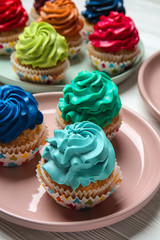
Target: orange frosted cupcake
column 13, row 19
column 63, row 15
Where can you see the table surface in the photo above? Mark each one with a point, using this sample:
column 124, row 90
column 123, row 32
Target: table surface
column 146, row 223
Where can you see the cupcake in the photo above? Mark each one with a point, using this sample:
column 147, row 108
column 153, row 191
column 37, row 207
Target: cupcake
column 63, row 15
column 78, row 168
column 91, row 97
column 13, row 19
column 113, row 46
column 22, row 130
column 97, row 8
column 34, row 14
column 41, row 54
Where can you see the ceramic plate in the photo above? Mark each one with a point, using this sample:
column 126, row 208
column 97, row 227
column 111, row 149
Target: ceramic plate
column 23, row 201
column 82, row 62
column 149, row 83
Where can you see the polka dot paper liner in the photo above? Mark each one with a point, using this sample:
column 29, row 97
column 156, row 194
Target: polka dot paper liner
column 110, row 68
column 13, row 159
column 77, row 203
column 73, row 51
column 7, row 48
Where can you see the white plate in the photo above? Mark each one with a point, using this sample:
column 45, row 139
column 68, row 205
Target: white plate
column 81, row 63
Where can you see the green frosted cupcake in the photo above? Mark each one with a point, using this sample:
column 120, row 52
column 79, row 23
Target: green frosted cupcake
column 91, row 97
column 41, row 54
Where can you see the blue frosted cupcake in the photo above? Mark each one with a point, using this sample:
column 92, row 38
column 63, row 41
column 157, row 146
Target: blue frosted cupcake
column 78, row 168
column 22, row 129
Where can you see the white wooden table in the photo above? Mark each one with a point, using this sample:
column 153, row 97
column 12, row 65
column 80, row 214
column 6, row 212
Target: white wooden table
column 144, row 225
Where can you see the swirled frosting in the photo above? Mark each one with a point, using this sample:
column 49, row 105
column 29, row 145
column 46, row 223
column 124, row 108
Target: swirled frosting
column 18, row 111
column 90, row 97
column 97, row 8
column 78, row 155
column 41, row 46
column 114, row 33
column 12, row 15
column 63, row 15
column 40, row 3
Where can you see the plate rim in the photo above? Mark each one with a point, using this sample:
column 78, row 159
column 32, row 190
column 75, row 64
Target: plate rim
column 93, row 223
column 141, row 85
column 28, row 86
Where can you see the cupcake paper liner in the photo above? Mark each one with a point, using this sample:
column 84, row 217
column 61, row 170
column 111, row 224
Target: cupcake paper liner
column 110, row 131
column 7, row 48
column 111, row 68
column 42, row 76
column 16, row 156
column 73, row 51
column 79, row 200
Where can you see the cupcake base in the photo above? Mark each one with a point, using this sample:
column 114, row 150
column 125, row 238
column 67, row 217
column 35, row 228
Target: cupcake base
column 110, row 130
column 79, row 199
column 8, row 40
column 33, row 14
column 74, row 44
column 13, row 154
column 112, row 63
column 42, row 76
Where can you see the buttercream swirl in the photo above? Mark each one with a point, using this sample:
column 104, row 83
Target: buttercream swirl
column 40, row 3
column 78, row 155
column 41, row 46
column 12, row 15
column 18, row 111
column 97, row 8
column 63, row 15
column 114, row 33
column 92, row 97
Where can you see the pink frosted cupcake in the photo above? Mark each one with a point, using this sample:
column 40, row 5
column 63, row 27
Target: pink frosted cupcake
column 22, row 130
column 113, row 46
column 78, row 168
column 13, row 19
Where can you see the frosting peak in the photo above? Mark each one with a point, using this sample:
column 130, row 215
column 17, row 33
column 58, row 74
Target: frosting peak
column 97, row 8
column 41, row 46
column 63, row 15
column 12, row 15
column 40, row 3
column 114, row 33
column 78, row 155
column 90, row 96
column 18, row 111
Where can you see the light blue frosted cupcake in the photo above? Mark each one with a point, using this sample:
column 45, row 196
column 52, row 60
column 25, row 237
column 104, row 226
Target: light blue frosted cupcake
column 78, row 168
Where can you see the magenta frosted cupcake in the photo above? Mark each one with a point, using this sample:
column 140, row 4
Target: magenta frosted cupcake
column 95, row 9
column 22, row 129
column 13, row 19
column 78, row 168
column 113, row 46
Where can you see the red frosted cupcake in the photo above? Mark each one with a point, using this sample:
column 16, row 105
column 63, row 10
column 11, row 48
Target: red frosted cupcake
column 13, row 19
column 113, row 46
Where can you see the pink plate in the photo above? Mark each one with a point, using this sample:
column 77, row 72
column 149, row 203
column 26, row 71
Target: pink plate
column 149, row 83
column 23, row 201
